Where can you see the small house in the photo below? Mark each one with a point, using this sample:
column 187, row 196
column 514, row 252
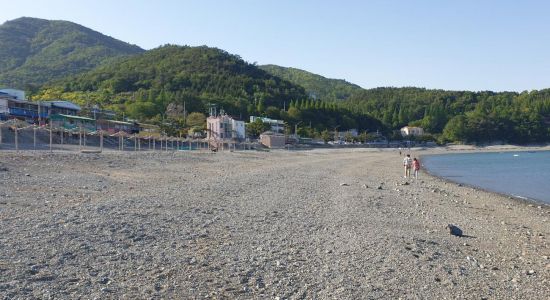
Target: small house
column 411, row 131
column 272, row 139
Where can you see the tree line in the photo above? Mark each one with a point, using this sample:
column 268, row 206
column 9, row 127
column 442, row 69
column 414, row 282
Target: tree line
column 166, row 84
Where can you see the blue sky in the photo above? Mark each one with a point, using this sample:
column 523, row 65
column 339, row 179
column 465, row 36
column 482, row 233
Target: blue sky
column 456, row 45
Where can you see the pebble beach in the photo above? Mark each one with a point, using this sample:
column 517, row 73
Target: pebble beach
column 319, row 224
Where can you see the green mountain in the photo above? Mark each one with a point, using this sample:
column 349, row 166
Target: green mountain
column 35, row 51
column 316, row 86
column 144, row 85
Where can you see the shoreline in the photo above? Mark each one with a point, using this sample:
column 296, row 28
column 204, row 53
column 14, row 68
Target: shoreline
column 522, row 199
column 519, row 199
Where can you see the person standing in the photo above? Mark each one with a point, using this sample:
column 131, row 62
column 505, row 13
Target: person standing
column 407, row 163
column 416, row 167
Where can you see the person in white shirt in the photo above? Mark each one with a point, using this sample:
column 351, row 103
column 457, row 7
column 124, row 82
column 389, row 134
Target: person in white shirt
column 407, row 163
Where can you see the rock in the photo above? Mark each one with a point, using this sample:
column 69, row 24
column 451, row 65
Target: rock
column 454, row 230
column 27, row 174
column 104, row 280
column 530, row 272
column 379, row 187
column 344, row 184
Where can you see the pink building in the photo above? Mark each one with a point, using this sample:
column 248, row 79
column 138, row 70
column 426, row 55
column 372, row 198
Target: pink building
column 224, row 128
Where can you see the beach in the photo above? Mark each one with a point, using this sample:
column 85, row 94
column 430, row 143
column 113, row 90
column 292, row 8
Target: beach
column 319, row 224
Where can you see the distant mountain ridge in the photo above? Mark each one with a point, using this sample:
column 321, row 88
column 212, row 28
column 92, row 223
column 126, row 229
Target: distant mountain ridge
column 316, row 85
column 35, row 51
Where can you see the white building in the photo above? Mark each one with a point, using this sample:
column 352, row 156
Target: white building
column 224, row 127
column 277, row 126
column 412, row 131
column 352, row 132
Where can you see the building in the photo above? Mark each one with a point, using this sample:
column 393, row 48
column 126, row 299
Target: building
column 272, row 139
column 17, row 94
column 411, row 131
column 342, row 135
column 61, row 107
column 73, row 123
column 114, row 126
column 13, row 108
column 147, row 130
column 277, row 126
column 224, row 127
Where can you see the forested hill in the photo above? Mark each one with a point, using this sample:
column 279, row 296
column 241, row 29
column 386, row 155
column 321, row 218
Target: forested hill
column 34, row 51
column 460, row 115
column 144, row 85
column 316, row 86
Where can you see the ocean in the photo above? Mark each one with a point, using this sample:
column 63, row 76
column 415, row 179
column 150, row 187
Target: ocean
column 524, row 174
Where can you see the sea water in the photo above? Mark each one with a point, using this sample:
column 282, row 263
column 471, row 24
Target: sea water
column 524, row 174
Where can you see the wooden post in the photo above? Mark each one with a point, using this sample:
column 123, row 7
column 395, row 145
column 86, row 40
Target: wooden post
column 51, row 137
column 0, row 133
column 16, row 139
column 135, row 143
column 190, row 145
column 34, row 137
column 139, row 144
column 79, row 138
column 101, row 140
column 154, row 145
column 122, row 139
column 62, row 133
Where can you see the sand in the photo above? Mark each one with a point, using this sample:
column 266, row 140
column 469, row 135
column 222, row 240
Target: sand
column 321, row 224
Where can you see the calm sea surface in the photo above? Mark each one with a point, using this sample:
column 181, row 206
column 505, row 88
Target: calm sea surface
column 520, row 174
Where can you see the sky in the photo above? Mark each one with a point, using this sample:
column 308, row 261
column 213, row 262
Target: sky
column 498, row 45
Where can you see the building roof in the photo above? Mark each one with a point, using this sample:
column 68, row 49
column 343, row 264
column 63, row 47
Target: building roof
column 74, row 117
column 63, row 104
column 119, row 122
column 271, row 133
column 267, row 120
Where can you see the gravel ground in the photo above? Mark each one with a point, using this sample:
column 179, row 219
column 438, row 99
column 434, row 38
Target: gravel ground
column 338, row 224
